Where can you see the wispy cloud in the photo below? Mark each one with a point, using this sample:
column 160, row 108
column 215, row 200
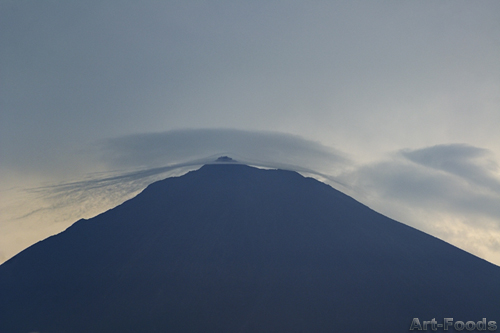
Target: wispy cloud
column 476, row 165
column 451, row 191
column 153, row 156
column 144, row 158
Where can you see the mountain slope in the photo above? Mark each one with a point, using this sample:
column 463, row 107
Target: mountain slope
column 231, row 248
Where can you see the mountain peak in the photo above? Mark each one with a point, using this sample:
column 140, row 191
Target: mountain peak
column 233, row 248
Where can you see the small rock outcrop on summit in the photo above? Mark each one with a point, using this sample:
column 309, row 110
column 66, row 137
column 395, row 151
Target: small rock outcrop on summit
column 231, row 248
column 225, row 159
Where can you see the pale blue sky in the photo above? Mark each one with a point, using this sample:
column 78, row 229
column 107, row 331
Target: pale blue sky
column 397, row 100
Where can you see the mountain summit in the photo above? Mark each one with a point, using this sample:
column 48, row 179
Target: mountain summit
column 232, row 248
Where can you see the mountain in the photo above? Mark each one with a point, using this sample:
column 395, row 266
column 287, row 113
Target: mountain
column 232, row 248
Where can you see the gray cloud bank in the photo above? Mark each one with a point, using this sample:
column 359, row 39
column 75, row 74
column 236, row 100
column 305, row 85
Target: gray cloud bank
column 472, row 164
column 455, row 177
column 263, row 148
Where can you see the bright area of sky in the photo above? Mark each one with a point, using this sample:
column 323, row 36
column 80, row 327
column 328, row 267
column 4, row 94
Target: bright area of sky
column 396, row 103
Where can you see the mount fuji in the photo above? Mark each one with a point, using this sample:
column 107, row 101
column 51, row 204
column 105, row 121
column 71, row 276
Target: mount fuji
column 234, row 248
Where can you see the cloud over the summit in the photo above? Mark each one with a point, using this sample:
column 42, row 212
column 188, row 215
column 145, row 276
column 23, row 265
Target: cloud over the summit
column 263, row 148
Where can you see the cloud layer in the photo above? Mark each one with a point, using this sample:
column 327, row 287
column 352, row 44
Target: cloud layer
column 263, row 148
column 104, row 86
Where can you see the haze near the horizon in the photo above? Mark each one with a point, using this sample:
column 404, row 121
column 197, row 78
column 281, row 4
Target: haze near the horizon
column 395, row 103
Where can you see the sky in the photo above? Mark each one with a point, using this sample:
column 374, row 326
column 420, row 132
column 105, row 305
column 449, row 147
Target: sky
column 396, row 103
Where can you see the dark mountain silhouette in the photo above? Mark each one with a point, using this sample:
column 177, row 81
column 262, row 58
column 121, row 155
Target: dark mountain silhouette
column 231, row 248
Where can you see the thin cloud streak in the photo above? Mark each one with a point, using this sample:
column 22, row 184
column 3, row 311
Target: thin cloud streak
column 147, row 150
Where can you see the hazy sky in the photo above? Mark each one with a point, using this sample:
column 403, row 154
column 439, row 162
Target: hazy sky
column 396, row 103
